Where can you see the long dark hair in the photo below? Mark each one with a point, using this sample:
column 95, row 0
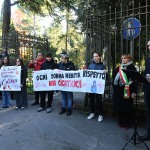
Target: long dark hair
column 21, row 61
column 8, row 61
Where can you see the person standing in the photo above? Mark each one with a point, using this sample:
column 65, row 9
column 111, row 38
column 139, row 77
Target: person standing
column 36, row 64
column 146, row 89
column 96, row 98
column 6, row 95
column 21, row 96
column 124, row 90
column 67, row 97
column 49, row 64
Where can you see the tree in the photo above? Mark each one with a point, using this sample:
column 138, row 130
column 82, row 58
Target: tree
column 35, row 6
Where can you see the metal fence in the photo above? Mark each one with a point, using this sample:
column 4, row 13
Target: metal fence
column 23, row 46
column 105, row 33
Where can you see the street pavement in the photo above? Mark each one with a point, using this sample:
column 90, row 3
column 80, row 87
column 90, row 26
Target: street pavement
column 31, row 130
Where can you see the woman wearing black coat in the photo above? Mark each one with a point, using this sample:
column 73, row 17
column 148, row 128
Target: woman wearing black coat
column 21, row 96
column 124, row 90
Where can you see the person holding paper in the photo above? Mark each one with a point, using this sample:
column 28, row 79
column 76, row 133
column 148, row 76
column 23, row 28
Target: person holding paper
column 67, row 97
column 36, row 64
column 48, row 64
column 21, row 96
column 96, row 98
column 146, row 89
column 124, row 90
column 6, row 95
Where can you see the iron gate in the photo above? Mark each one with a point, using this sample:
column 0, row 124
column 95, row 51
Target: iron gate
column 104, row 33
column 23, row 46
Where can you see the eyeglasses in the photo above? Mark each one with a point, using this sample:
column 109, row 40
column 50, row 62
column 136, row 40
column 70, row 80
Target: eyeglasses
column 17, row 61
column 148, row 45
column 39, row 55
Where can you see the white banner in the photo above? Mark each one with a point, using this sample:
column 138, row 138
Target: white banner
column 10, row 78
column 90, row 81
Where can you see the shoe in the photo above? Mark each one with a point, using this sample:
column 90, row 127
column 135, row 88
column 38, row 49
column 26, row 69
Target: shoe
column 145, row 137
column 69, row 112
column 7, row 106
column 40, row 109
column 16, row 108
column 91, row 116
column 23, row 108
column 35, row 103
column 62, row 111
column 100, row 118
column 48, row 110
column 4, row 107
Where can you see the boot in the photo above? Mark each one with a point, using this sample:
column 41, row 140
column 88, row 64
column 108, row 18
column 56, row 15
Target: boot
column 62, row 111
column 69, row 112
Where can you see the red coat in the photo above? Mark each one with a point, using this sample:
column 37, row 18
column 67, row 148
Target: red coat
column 36, row 66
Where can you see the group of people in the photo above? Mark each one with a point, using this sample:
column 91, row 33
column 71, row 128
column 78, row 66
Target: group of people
column 124, row 88
column 20, row 96
column 40, row 96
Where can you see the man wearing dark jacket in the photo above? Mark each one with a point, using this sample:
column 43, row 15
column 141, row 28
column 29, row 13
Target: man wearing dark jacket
column 146, row 89
column 67, row 97
column 48, row 64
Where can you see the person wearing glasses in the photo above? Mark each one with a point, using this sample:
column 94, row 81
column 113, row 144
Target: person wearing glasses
column 21, row 96
column 146, row 89
column 124, row 90
column 67, row 96
column 36, row 64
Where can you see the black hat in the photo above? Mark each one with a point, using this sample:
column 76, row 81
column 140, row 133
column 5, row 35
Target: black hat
column 64, row 55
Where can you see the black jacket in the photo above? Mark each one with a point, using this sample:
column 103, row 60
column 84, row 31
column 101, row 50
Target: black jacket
column 48, row 65
column 66, row 66
column 119, row 103
column 23, row 75
column 146, row 86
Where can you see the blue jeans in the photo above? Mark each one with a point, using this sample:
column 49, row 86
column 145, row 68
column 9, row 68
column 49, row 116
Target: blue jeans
column 147, row 105
column 67, row 98
column 6, row 98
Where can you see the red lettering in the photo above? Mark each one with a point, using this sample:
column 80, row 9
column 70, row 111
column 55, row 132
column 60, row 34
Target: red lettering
column 52, row 83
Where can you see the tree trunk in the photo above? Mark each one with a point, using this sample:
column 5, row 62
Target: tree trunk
column 6, row 17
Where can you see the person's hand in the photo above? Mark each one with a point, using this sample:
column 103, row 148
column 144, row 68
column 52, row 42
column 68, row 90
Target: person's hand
column 133, row 95
column 105, row 71
column 35, row 61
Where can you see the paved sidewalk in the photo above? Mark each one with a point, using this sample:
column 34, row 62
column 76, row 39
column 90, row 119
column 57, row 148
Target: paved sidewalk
column 32, row 130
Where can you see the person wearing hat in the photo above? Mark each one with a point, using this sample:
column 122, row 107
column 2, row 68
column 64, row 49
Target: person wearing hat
column 146, row 90
column 67, row 97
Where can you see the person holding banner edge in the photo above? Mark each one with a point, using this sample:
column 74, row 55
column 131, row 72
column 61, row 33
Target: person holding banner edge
column 67, row 97
column 36, row 64
column 6, row 95
column 96, row 98
column 48, row 64
column 21, row 96
column 124, row 90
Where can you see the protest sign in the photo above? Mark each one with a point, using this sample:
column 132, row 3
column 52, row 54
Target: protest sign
column 10, row 78
column 91, row 81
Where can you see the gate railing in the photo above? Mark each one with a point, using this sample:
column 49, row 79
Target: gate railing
column 23, row 46
column 104, row 33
